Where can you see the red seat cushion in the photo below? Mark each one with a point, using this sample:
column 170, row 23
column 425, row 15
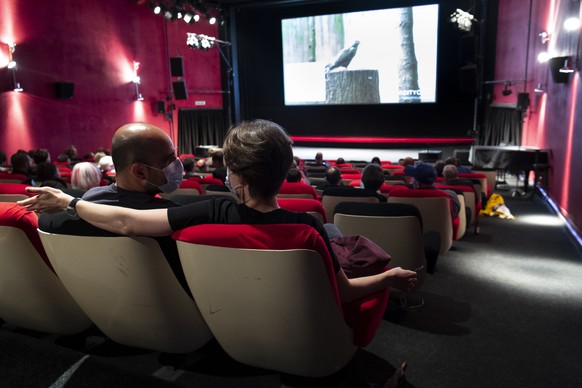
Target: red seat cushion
column 14, row 188
column 7, row 175
column 302, row 205
column 192, row 184
column 17, row 216
column 297, row 188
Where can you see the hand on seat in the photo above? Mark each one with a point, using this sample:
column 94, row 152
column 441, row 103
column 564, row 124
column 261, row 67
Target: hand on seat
column 402, row 279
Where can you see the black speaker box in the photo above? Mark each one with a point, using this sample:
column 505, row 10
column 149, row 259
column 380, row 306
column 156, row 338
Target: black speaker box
column 161, row 107
column 468, row 47
column 468, row 79
column 555, row 65
column 522, row 101
column 180, row 91
column 177, row 66
column 64, row 90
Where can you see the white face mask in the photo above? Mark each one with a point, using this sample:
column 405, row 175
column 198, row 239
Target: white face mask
column 227, row 184
column 174, row 173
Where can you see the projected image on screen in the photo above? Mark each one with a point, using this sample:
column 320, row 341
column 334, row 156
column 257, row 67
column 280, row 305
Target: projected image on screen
column 370, row 57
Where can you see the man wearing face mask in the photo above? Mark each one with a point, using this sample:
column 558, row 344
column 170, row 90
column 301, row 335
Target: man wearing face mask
column 146, row 165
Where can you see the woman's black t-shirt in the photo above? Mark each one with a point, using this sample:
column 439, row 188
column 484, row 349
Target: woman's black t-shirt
column 226, row 211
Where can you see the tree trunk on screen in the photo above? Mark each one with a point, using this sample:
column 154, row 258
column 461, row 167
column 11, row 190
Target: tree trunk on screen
column 352, row 87
column 329, row 36
column 409, row 91
column 299, row 40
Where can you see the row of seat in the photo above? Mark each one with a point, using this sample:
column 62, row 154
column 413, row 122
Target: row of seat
column 267, row 293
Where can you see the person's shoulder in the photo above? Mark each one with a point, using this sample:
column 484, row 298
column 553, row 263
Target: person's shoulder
column 99, row 190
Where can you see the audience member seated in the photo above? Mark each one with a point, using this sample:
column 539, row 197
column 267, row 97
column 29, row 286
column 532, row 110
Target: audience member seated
column 373, row 179
column 333, row 177
column 424, row 177
column 21, row 164
column 451, row 177
column 376, row 160
column 47, row 174
column 457, row 163
column 439, row 166
column 189, row 165
column 258, row 155
column 85, row 176
column 318, row 161
column 107, row 168
column 294, row 175
column 146, row 165
column 71, row 155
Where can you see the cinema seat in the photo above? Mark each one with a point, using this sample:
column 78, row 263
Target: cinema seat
column 310, row 206
column 395, row 227
column 296, row 190
column 31, row 294
column 12, row 192
column 269, row 295
column 127, row 288
column 334, row 195
column 6, row 177
column 187, row 187
column 434, row 206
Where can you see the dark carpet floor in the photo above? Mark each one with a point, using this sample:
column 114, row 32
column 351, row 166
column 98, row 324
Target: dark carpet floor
column 503, row 309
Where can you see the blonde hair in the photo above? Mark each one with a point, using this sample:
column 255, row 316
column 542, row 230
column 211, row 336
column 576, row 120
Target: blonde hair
column 85, row 176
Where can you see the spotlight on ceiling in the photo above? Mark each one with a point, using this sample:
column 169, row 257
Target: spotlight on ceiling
column 11, row 65
column 544, row 37
column 572, row 24
column 187, row 18
column 157, row 10
column 212, row 20
column 463, row 19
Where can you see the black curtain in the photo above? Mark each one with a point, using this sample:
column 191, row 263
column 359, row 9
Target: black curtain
column 198, row 127
column 502, row 126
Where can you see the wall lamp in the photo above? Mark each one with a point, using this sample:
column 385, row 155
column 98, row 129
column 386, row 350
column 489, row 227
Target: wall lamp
column 12, row 66
column 136, row 81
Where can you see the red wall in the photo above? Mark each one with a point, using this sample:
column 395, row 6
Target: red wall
column 554, row 119
column 93, row 44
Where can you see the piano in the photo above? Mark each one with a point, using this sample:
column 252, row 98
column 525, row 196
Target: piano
column 514, row 159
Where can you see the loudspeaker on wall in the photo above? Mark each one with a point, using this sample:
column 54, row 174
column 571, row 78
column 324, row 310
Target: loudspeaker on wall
column 522, row 101
column 64, row 90
column 555, row 65
column 161, row 107
column 177, row 66
column 180, row 91
column 468, row 79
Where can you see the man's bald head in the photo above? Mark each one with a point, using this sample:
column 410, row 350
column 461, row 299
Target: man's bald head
column 139, row 143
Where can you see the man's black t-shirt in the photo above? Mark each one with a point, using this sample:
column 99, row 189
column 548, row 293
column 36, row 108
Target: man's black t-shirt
column 225, row 211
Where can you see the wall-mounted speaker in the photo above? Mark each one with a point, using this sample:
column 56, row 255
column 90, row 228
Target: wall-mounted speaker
column 177, row 66
column 555, row 65
column 161, row 107
column 522, row 101
column 180, row 90
column 468, row 79
column 468, row 48
column 64, row 90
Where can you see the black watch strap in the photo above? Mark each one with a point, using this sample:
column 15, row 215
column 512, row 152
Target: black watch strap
column 72, row 207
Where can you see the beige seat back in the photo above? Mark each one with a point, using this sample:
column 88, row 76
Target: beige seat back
column 12, row 197
column 31, row 295
column 462, row 217
column 330, row 201
column 126, row 286
column 269, row 309
column 399, row 236
column 436, row 216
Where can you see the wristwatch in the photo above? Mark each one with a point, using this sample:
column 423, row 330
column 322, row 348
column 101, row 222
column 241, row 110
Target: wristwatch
column 72, row 207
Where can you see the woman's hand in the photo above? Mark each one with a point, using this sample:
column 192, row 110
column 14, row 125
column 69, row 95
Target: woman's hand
column 46, row 200
column 402, row 279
